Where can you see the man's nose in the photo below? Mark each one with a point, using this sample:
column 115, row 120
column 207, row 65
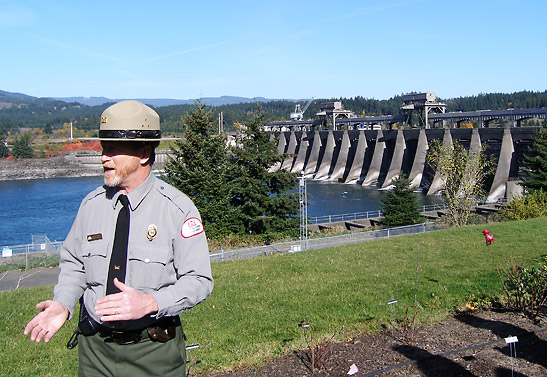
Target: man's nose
column 104, row 157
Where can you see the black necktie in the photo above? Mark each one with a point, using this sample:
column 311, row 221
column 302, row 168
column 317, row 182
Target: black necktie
column 118, row 260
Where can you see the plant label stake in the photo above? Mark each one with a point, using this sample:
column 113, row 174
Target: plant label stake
column 391, row 303
column 303, row 326
column 512, row 340
column 192, row 347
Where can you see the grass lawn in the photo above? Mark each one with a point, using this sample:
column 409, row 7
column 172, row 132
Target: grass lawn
column 257, row 304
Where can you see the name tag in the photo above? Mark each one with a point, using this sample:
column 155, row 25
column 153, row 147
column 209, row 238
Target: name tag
column 94, row 237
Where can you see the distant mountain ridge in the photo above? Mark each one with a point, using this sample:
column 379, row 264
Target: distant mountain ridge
column 158, row 102
column 20, row 98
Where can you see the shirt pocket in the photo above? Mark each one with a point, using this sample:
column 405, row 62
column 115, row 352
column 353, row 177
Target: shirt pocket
column 94, row 256
column 150, row 268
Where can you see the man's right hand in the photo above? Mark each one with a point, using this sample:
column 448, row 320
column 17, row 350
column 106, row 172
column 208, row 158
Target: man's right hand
column 52, row 317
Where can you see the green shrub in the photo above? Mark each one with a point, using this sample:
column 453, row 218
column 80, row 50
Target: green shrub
column 526, row 206
column 528, row 288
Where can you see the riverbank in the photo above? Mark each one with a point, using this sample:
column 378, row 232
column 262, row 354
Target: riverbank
column 67, row 166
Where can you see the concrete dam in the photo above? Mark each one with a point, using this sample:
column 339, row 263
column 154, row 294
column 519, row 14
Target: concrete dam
column 375, row 157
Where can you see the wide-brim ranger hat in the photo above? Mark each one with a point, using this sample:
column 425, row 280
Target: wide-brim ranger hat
column 129, row 121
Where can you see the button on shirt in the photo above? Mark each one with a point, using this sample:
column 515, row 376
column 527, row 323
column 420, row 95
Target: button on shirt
column 167, row 251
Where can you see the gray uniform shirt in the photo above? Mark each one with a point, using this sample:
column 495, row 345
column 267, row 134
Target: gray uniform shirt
column 167, row 250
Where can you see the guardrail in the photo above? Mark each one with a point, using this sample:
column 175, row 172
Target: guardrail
column 367, row 214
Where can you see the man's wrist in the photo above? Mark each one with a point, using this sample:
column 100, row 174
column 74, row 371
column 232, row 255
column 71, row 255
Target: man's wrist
column 151, row 304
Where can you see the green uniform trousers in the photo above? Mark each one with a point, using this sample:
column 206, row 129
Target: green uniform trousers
column 145, row 358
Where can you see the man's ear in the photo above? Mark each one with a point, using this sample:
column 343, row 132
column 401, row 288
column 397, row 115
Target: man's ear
column 145, row 154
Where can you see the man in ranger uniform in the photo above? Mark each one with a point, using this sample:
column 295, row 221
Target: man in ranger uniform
column 138, row 255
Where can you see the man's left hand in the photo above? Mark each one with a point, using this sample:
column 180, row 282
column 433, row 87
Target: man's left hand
column 127, row 305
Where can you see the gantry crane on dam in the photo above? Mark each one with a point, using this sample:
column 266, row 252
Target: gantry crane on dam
column 298, row 113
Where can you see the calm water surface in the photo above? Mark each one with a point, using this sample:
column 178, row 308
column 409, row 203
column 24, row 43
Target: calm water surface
column 49, row 206
column 41, row 206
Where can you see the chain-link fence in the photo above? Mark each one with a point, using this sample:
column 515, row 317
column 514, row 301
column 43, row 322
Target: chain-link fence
column 43, row 252
column 40, row 253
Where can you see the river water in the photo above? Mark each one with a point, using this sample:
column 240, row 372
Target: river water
column 48, row 206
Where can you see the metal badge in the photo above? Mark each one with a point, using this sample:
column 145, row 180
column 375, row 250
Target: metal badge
column 152, row 232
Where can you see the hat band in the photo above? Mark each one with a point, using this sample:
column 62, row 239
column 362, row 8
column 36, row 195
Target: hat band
column 130, row 134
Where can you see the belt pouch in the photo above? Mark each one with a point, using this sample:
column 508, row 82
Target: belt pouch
column 163, row 331
column 87, row 326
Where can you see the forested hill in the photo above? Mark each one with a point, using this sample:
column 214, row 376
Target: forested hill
column 22, row 111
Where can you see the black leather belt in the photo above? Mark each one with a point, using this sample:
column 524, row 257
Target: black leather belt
column 161, row 331
column 120, row 337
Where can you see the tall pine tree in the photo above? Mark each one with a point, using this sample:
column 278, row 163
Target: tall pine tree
column 536, row 162
column 199, row 166
column 21, row 146
column 262, row 196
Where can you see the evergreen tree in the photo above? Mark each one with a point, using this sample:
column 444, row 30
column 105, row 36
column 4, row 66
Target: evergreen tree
column 21, row 146
column 261, row 195
column 400, row 205
column 536, row 162
column 199, row 167
column 4, row 150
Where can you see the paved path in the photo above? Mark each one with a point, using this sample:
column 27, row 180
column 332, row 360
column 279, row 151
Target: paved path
column 15, row 279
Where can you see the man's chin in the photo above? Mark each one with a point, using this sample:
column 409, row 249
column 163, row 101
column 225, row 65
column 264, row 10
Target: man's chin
column 112, row 181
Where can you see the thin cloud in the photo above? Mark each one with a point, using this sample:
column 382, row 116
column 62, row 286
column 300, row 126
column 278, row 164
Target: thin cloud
column 182, row 52
column 378, row 8
column 16, row 15
column 359, row 12
column 76, row 49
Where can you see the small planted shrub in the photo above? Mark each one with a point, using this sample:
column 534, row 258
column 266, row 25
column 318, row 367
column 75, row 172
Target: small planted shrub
column 525, row 287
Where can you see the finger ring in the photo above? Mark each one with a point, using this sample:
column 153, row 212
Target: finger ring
column 116, row 310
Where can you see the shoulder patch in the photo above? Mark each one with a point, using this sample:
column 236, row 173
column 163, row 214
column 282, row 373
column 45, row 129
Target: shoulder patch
column 191, row 227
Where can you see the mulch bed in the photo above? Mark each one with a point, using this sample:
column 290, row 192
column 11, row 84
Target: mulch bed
column 467, row 344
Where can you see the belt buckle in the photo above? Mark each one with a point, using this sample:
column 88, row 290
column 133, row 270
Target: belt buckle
column 123, row 338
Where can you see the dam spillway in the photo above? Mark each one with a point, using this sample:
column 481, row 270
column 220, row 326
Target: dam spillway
column 375, row 157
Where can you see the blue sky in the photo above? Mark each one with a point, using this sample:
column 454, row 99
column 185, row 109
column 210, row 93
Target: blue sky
column 273, row 49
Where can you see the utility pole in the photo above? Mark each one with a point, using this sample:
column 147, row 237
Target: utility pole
column 303, row 200
column 220, row 122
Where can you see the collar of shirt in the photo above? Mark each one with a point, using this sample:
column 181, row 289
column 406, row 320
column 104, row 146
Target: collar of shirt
column 136, row 196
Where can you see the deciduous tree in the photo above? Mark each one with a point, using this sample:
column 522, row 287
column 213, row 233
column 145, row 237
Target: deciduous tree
column 463, row 174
